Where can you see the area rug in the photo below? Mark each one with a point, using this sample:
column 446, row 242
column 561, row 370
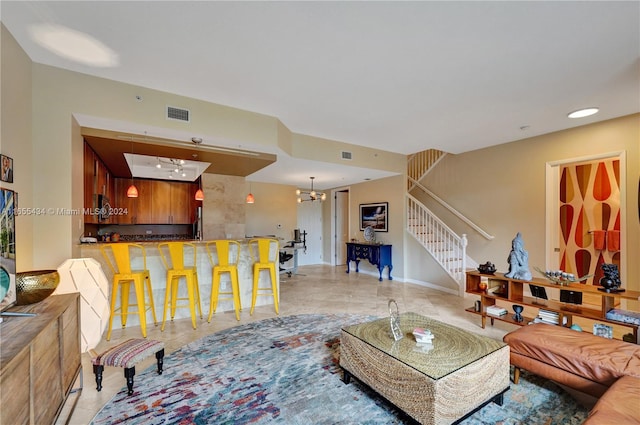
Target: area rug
column 286, row 370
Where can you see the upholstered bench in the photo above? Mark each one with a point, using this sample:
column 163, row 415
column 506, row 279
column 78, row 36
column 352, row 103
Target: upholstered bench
column 604, row 368
column 126, row 355
column 619, row 405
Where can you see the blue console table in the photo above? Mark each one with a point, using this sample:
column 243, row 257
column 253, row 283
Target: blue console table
column 378, row 255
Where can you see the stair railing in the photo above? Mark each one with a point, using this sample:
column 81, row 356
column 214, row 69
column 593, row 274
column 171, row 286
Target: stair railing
column 446, row 247
column 452, row 210
column 420, row 163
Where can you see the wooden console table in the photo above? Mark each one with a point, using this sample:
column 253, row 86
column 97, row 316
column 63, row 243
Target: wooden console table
column 40, row 360
column 378, row 255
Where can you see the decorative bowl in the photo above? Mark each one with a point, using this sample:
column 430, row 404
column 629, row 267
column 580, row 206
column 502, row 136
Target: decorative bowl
column 487, row 268
column 34, row 286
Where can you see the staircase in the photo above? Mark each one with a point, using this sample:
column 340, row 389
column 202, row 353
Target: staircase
column 447, row 248
column 419, row 164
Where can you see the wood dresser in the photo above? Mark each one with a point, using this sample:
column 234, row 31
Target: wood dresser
column 40, row 360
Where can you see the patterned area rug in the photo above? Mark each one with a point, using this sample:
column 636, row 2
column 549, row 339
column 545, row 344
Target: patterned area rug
column 286, row 370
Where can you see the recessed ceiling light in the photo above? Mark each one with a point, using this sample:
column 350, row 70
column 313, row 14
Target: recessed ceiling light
column 581, row 113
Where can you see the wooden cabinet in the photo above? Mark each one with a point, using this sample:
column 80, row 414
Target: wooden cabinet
column 158, row 202
column 132, row 210
column 172, row 202
column 504, row 292
column 144, row 202
column 183, row 203
column 39, row 360
column 98, row 180
column 161, row 202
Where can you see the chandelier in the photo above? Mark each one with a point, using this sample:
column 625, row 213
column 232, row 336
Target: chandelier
column 312, row 195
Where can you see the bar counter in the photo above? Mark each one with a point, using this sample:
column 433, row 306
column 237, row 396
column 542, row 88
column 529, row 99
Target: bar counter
column 158, row 280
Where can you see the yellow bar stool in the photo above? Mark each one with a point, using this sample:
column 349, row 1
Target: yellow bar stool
column 118, row 256
column 173, row 255
column 224, row 260
column 264, row 253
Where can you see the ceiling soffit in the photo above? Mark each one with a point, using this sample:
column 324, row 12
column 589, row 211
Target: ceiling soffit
column 111, row 146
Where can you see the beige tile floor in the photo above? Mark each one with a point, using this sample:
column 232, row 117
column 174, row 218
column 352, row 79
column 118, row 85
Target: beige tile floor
column 315, row 289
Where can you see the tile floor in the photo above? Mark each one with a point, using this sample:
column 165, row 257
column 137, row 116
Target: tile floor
column 315, row 289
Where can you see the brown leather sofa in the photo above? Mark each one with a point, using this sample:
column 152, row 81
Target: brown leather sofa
column 604, row 368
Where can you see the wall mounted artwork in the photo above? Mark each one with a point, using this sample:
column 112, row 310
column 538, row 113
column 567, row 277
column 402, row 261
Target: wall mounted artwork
column 7, row 169
column 375, row 216
column 590, row 226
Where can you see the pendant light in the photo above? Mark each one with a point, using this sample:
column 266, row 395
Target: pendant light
column 250, row 199
column 199, row 196
column 199, row 193
column 132, row 191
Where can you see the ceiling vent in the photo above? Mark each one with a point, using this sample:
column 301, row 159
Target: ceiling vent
column 178, row 114
column 345, row 155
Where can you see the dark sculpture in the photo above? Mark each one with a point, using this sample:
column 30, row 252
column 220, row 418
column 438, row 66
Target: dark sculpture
column 518, row 260
column 610, row 282
column 487, row 268
column 518, row 310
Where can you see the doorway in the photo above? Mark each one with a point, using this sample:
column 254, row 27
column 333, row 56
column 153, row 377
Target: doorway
column 340, row 227
column 310, row 221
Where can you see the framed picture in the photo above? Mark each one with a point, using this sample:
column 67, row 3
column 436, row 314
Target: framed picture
column 603, row 330
column 375, row 215
column 7, row 249
column 7, row 169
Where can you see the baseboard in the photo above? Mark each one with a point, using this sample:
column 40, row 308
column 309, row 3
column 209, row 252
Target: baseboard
column 450, row 291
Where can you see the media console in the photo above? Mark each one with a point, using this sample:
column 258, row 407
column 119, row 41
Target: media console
column 501, row 290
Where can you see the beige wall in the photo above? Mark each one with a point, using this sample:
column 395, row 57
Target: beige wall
column 391, row 190
column 54, row 166
column 275, row 204
column 15, row 137
column 319, row 149
column 502, row 189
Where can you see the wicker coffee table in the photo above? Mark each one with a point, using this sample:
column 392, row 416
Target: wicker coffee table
column 461, row 373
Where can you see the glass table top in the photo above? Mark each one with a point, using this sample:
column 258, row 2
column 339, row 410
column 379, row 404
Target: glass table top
column 452, row 347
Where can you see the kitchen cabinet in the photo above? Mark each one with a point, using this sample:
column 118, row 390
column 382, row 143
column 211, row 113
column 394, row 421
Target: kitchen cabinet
column 89, row 182
column 143, row 203
column 158, row 202
column 183, row 203
column 132, row 210
column 172, row 202
column 98, row 180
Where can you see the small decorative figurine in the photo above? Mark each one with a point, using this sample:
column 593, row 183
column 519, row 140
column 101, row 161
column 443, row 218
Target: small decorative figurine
column 394, row 320
column 610, row 282
column 518, row 260
column 518, row 310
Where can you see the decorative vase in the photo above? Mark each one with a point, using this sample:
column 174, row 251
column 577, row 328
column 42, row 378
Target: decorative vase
column 34, row 286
